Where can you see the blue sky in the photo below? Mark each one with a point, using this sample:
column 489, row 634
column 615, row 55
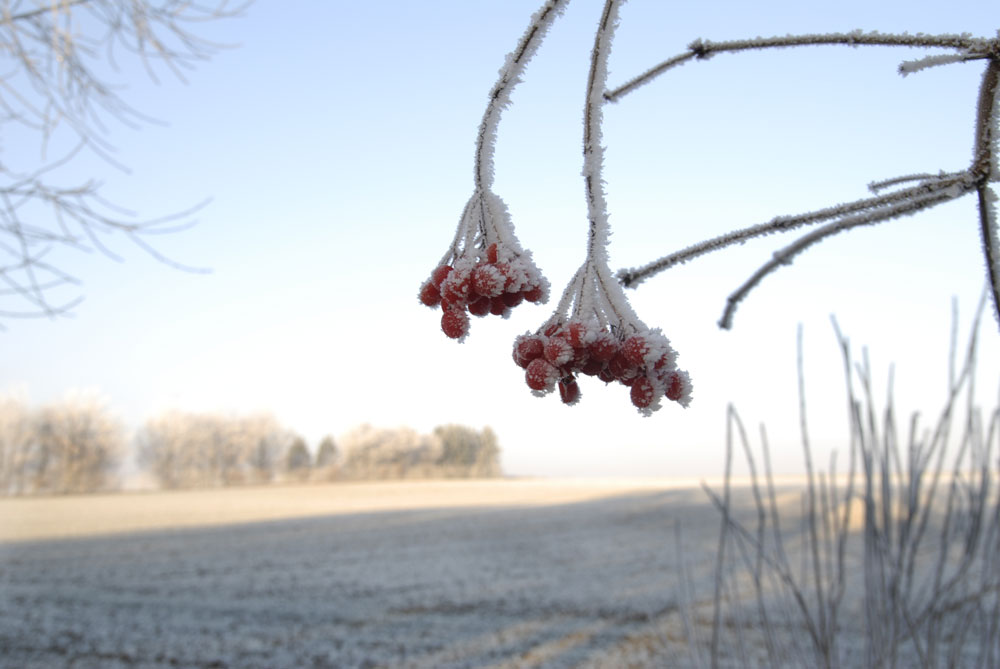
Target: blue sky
column 336, row 142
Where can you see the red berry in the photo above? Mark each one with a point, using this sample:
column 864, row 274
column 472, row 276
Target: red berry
column 592, row 367
column 456, row 287
column 491, row 253
column 508, row 274
column 604, row 347
column 480, row 306
column 635, row 349
column 528, row 348
column 666, row 360
column 558, row 351
column 604, row 374
column 622, row 368
column 430, row 295
column 487, row 280
column 455, row 323
column 675, row 389
column 577, row 334
column 642, row 392
column 569, row 391
column 439, row 274
column 534, row 294
column 498, row 306
column 540, row 375
column 512, row 299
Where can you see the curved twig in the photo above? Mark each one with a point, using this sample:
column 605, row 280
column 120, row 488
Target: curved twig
column 785, row 255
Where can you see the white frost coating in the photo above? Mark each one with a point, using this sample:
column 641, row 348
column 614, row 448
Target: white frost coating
column 594, row 292
column 485, row 234
column 607, row 339
column 510, row 76
column 911, row 66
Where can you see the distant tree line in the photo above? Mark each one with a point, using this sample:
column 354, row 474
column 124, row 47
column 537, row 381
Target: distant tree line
column 73, row 446
column 197, row 450
column 77, row 446
column 450, row 451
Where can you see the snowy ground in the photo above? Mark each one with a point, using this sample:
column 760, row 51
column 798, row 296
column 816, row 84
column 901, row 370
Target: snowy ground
column 446, row 574
column 484, row 574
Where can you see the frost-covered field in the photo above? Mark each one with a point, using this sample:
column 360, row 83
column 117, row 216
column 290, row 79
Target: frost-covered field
column 427, row 574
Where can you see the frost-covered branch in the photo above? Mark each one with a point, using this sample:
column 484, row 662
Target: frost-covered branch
column 486, row 270
column 594, row 331
column 875, row 206
column 985, row 166
column 930, row 190
column 787, row 254
column 510, row 76
column 972, row 48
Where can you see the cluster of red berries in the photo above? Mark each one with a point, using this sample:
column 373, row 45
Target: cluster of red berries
column 494, row 284
column 644, row 362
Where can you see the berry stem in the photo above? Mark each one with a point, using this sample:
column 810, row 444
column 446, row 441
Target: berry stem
column 510, row 75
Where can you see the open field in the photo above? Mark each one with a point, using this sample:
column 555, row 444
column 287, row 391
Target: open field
column 419, row 574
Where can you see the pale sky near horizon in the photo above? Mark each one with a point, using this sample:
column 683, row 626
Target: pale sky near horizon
column 336, row 142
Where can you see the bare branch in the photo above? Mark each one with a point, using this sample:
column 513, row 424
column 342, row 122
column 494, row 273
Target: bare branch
column 50, row 89
column 932, row 184
column 785, row 255
column 704, row 49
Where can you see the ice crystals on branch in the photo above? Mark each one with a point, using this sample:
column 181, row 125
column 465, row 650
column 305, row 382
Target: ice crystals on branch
column 594, row 331
column 485, row 271
column 926, row 191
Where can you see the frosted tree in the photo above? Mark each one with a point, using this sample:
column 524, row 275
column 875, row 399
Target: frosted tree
column 298, row 461
column 186, row 450
column 76, row 446
column 16, row 442
column 593, row 330
column 57, row 96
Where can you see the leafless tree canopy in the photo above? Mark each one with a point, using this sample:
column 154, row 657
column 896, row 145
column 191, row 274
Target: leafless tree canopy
column 70, row 447
column 59, row 98
column 185, row 450
column 452, row 451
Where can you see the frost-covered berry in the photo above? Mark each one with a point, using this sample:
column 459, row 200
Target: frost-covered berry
column 498, row 306
column 534, row 294
column 512, row 299
column 569, row 391
column 455, row 323
column 430, row 295
column 528, row 348
column 440, row 274
column 635, row 349
column 621, row 368
column 455, row 288
column 679, row 387
column 604, row 347
column 488, row 281
column 592, row 367
column 540, row 375
column 643, row 393
column 578, row 334
column 558, row 351
column 480, row 306
column 492, row 253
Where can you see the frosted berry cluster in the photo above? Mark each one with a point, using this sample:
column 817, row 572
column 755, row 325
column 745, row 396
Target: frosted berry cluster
column 492, row 283
column 644, row 362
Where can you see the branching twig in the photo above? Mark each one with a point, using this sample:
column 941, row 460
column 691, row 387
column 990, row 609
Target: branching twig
column 930, row 190
column 50, row 90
